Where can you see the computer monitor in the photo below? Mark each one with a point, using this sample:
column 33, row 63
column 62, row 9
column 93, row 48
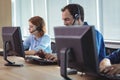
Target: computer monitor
column 75, row 45
column 12, row 43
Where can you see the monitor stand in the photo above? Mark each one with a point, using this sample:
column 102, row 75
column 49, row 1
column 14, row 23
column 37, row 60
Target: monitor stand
column 71, row 71
column 6, row 51
column 64, row 62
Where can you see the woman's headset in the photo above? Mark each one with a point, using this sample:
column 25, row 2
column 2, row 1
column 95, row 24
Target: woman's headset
column 37, row 29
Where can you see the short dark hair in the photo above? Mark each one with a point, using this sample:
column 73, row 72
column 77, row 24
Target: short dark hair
column 75, row 9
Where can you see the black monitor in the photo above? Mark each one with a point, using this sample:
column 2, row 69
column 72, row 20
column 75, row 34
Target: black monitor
column 12, row 43
column 75, row 45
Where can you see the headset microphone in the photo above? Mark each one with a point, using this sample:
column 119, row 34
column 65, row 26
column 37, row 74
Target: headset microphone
column 34, row 30
column 76, row 18
column 37, row 29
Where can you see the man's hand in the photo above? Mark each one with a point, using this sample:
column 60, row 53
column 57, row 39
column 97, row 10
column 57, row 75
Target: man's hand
column 112, row 70
column 104, row 63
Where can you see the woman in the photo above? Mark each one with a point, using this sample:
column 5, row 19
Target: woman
column 38, row 40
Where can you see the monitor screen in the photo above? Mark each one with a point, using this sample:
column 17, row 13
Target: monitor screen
column 82, row 44
column 12, row 42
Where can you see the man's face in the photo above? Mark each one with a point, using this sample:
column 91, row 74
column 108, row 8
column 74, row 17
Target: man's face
column 67, row 18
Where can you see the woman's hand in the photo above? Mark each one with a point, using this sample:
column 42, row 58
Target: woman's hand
column 49, row 56
column 40, row 53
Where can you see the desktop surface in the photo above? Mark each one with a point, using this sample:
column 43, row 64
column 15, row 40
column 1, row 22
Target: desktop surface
column 31, row 71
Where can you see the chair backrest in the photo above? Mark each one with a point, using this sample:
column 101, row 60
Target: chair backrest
column 110, row 50
column 53, row 47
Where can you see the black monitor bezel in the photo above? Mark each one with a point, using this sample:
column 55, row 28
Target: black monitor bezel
column 12, row 43
column 84, row 65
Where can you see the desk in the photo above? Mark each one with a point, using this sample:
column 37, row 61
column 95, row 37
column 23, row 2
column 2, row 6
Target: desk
column 33, row 72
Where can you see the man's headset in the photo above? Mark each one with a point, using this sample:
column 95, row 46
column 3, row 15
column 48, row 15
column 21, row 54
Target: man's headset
column 37, row 29
column 77, row 15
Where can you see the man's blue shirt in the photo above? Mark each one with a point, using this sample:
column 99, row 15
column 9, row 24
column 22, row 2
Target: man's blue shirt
column 114, row 57
column 100, row 45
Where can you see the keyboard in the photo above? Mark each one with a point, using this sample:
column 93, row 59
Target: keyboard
column 39, row 61
column 114, row 77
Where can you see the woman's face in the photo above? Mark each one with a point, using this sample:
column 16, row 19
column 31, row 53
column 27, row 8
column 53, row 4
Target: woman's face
column 32, row 28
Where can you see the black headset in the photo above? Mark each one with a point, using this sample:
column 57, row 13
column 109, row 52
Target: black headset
column 77, row 15
column 37, row 29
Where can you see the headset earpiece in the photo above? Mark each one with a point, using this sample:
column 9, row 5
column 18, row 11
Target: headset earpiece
column 77, row 15
column 38, row 28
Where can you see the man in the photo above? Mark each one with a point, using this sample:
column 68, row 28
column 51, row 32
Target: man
column 111, row 64
column 73, row 14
